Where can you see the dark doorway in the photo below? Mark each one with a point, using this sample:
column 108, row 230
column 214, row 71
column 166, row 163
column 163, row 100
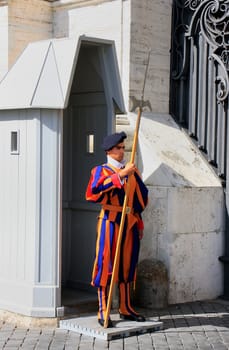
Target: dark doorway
column 85, row 122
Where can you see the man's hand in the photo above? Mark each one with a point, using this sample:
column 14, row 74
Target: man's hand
column 128, row 170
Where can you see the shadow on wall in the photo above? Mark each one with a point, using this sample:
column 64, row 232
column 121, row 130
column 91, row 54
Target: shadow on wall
column 152, row 285
column 164, row 175
column 135, row 103
column 167, row 157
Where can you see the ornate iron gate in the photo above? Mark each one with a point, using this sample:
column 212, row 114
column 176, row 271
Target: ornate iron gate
column 200, row 74
column 199, row 94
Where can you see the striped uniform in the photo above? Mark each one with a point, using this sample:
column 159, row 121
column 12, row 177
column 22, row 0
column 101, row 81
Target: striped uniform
column 106, row 188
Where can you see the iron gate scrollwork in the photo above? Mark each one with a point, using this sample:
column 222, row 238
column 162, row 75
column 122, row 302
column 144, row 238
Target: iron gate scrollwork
column 200, row 74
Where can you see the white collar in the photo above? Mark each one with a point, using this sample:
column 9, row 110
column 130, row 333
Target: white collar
column 115, row 163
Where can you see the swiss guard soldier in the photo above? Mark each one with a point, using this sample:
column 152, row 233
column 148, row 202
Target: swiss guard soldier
column 107, row 186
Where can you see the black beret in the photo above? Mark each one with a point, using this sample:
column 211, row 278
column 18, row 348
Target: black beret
column 112, row 140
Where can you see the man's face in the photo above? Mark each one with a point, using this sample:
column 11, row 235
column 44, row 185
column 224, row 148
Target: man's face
column 117, row 152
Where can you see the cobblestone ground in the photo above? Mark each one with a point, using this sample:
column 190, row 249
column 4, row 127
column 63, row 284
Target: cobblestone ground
column 198, row 325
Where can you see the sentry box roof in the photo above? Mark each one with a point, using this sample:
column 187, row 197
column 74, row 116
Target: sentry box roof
column 42, row 75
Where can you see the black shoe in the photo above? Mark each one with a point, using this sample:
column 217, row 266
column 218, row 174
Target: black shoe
column 132, row 317
column 101, row 322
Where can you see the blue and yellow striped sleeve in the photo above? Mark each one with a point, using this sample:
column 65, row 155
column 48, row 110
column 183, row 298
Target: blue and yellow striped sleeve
column 101, row 181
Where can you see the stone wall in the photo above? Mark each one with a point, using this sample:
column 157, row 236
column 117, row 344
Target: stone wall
column 150, row 30
column 3, row 38
column 185, row 218
column 28, row 21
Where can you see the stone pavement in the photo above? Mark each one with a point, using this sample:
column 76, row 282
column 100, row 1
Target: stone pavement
column 197, row 325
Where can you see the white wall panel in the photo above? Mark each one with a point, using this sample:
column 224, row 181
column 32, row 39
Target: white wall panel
column 49, row 195
column 29, row 211
column 17, row 202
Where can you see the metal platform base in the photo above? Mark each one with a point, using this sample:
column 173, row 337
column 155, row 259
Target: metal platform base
column 88, row 325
